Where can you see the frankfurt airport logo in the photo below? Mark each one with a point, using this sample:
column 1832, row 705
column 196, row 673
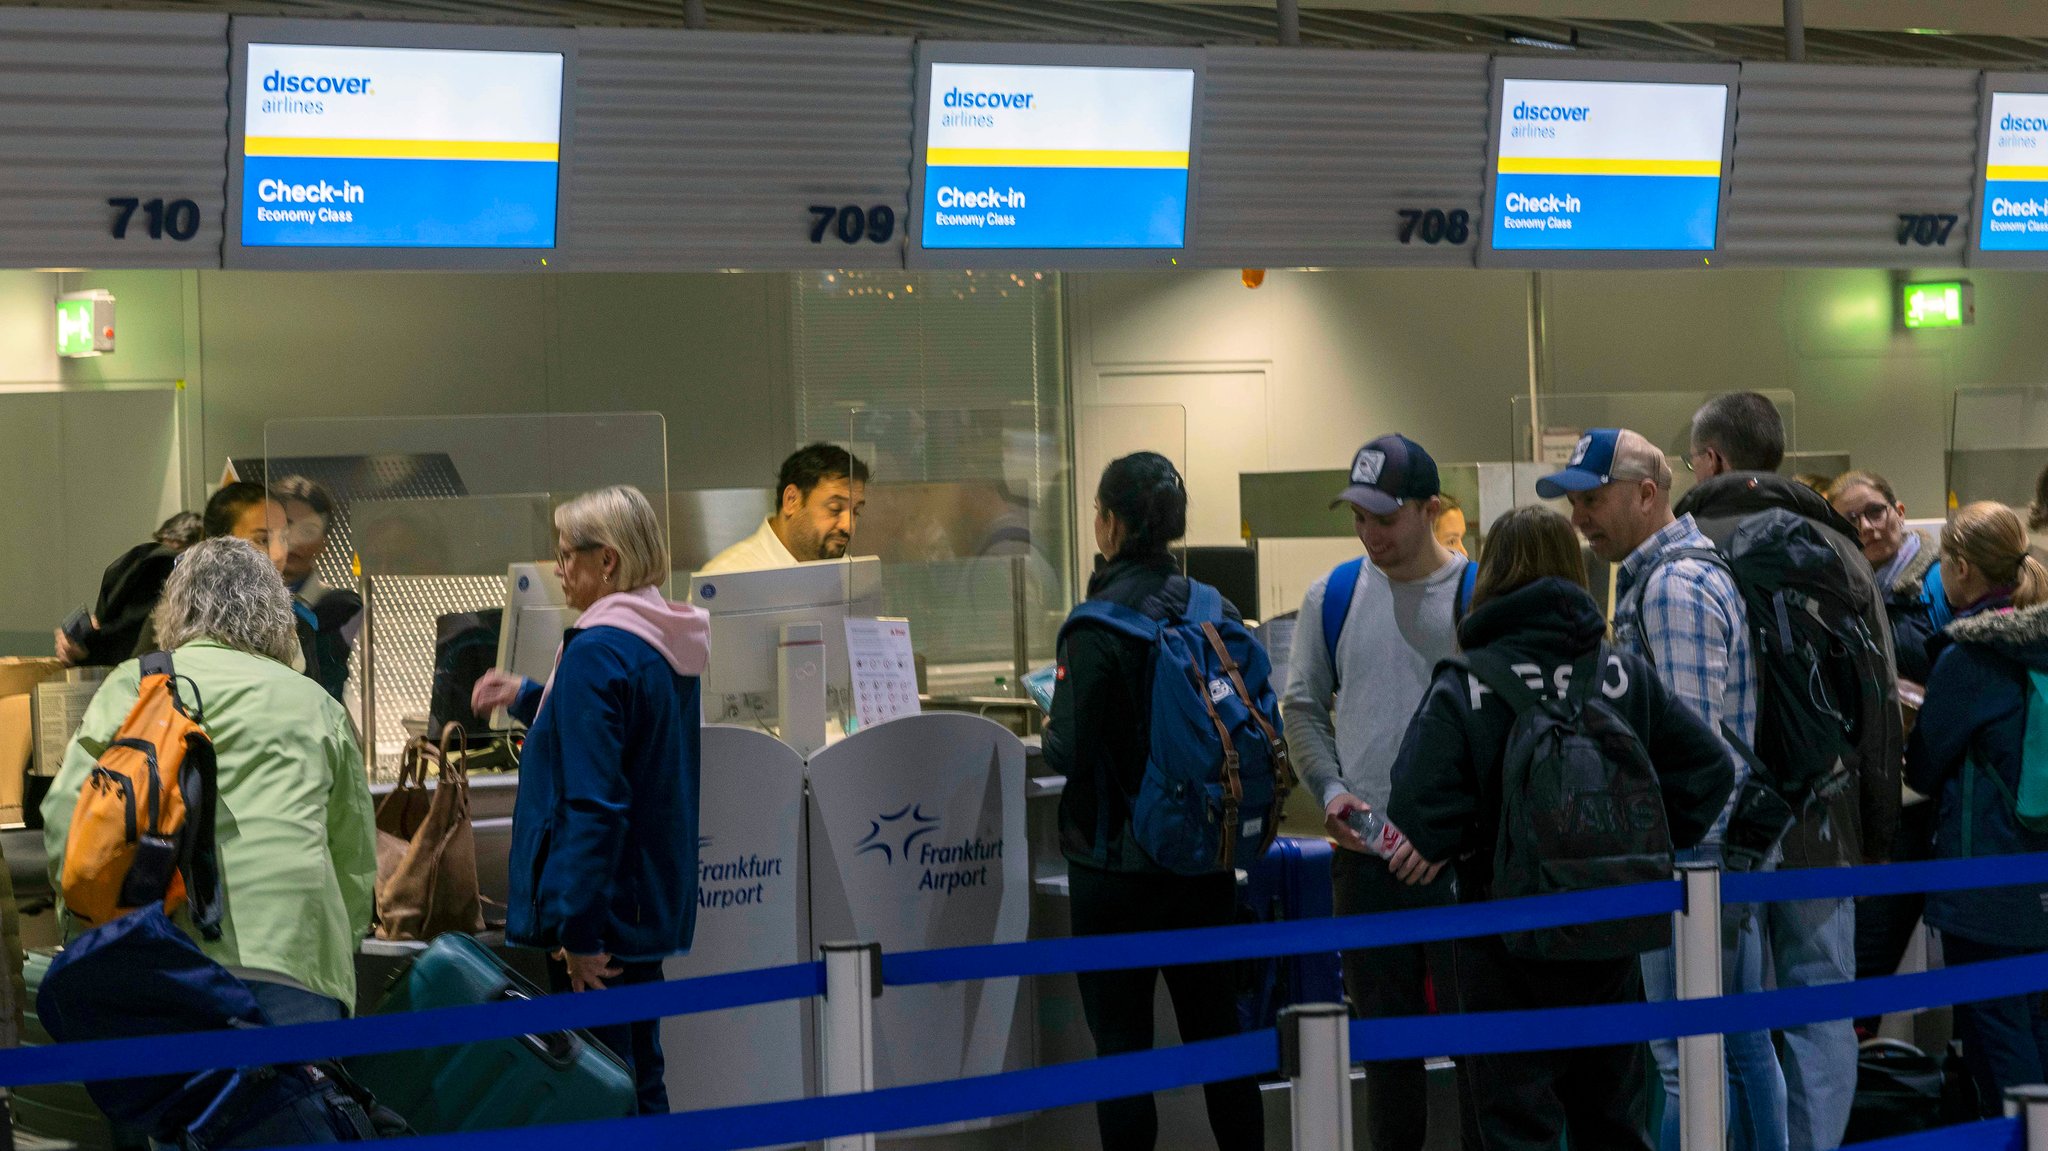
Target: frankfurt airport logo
column 910, row 823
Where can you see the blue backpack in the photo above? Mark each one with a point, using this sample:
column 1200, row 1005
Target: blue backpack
column 1343, row 583
column 1218, row 772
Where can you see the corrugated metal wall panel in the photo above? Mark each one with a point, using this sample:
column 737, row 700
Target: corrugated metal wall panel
column 693, row 147
column 1827, row 157
column 1309, row 155
column 101, row 104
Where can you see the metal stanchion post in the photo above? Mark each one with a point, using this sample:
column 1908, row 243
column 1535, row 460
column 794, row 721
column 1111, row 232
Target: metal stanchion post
column 846, row 1040
column 2029, row 1105
column 1315, row 1055
column 1702, row 1072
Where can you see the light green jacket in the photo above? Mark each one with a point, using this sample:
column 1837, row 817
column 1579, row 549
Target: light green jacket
column 297, row 837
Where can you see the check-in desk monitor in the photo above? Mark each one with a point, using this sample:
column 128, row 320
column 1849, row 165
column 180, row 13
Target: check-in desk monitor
column 748, row 612
column 536, row 615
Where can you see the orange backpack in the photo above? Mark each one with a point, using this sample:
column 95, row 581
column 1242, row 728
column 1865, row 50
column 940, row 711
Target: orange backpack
column 143, row 830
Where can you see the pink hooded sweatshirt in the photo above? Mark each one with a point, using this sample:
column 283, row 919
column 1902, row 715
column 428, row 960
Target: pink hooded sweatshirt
column 679, row 631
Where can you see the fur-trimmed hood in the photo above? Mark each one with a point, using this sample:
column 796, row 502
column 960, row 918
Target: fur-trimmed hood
column 2017, row 634
column 1912, row 578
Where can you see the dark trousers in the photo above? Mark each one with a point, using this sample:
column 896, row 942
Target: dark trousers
column 1385, row 982
column 638, row 1045
column 1884, row 923
column 2005, row 1041
column 1593, row 1097
column 1119, row 1003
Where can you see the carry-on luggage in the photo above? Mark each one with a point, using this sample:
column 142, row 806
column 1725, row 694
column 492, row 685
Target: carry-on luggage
column 1901, row 1089
column 1290, row 881
column 558, row 1077
column 59, row 1112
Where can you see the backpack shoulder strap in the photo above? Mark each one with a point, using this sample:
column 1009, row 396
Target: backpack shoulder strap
column 1114, row 616
column 1205, row 603
column 158, row 663
column 1337, row 595
column 1466, row 582
column 1494, row 672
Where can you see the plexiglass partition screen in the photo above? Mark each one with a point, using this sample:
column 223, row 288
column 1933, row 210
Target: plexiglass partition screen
column 445, row 527
column 1998, row 445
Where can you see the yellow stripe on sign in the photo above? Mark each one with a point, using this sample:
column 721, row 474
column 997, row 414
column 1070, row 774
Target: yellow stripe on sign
column 1547, row 166
column 400, row 149
column 2016, row 171
column 1050, row 158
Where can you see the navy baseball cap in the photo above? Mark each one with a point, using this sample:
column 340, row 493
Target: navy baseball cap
column 1388, row 472
column 1602, row 456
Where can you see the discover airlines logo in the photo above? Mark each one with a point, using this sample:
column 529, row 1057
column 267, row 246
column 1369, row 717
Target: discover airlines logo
column 901, row 836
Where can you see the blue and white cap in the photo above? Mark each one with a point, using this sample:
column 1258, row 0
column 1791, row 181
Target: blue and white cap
column 1603, row 456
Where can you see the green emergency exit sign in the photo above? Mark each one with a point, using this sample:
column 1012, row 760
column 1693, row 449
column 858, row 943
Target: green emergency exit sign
column 1940, row 305
column 85, row 323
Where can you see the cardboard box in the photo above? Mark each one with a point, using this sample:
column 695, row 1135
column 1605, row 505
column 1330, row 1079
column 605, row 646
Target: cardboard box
column 18, row 679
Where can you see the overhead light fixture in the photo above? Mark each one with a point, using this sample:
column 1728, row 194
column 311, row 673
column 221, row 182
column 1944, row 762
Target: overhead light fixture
column 1531, row 40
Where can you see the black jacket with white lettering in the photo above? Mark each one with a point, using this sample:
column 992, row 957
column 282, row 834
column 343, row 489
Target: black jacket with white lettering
column 1446, row 796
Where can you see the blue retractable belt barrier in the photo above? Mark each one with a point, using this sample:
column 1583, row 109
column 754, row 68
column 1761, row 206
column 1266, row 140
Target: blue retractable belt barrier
column 1985, row 1135
column 1291, row 937
column 1884, row 879
column 896, row 1108
column 1503, row 1032
column 410, row 1031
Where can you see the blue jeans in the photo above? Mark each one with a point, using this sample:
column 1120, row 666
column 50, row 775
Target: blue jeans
column 1756, row 1086
column 284, row 1005
column 1813, row 944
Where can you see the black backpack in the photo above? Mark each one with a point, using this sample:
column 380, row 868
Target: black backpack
column 1580, row 807
column 1821, row 675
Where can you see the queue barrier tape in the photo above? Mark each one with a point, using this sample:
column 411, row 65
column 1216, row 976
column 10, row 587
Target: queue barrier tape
column 1287, row 937
column 894, row 1108
column 374, row 1034
column 1508, row 1032
column 1883, row 879
column 308, row 1042
column 1984, row 1135
column 1257, row 1053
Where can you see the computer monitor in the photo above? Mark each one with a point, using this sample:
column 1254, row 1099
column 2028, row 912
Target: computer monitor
column 1234, row 571
column 536, row 615
column 748, row 611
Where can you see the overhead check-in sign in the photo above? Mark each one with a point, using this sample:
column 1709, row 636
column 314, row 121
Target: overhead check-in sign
column 2013, row 215
column 1056, row 157
column 400, row 147
column 1622, row 166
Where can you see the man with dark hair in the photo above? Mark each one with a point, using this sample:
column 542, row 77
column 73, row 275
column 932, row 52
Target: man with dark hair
column 818, row 497
column 328, row 617
column 1738, row 440
column 1737, row 432
column 118, row 626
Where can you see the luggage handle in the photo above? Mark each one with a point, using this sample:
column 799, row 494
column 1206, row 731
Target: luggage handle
column 557, row 1047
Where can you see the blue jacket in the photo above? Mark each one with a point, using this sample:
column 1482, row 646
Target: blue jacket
column 604, row 833
column 1974, row 721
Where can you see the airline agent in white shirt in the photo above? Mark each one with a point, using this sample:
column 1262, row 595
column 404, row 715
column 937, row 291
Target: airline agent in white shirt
column 820, row 494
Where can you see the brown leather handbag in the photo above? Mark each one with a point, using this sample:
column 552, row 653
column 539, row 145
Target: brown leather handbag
column 426, row 848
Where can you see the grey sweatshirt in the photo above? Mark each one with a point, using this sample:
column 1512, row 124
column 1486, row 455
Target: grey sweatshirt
column 1393, row 639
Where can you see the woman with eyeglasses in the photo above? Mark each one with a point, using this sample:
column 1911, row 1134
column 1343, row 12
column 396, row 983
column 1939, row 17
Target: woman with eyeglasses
column 1907, row 563
column 604, row 834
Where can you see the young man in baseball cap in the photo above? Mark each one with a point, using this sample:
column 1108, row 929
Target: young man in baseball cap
column 1358, row 670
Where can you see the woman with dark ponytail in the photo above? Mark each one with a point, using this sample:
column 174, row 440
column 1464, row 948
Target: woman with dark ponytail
column 1099, row 738
column 1969, row 751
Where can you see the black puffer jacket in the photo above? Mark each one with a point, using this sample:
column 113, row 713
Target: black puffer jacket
column 1446, row 796
column 1100, row 733
column 1858, row 824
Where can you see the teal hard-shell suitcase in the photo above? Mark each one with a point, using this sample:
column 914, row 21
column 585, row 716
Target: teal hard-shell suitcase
column 558, row 1077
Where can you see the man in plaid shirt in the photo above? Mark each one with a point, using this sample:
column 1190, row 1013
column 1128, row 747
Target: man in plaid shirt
column 1684, row 615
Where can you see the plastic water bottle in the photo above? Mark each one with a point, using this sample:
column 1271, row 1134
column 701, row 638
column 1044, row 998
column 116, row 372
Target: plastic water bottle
column 1381, row 838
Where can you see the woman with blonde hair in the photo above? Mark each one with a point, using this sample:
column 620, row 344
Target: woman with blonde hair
column 1968, row 749
column 604, row 834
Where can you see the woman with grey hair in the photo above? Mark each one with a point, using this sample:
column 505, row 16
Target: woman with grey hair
column 604, row 834
column 295, row 835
